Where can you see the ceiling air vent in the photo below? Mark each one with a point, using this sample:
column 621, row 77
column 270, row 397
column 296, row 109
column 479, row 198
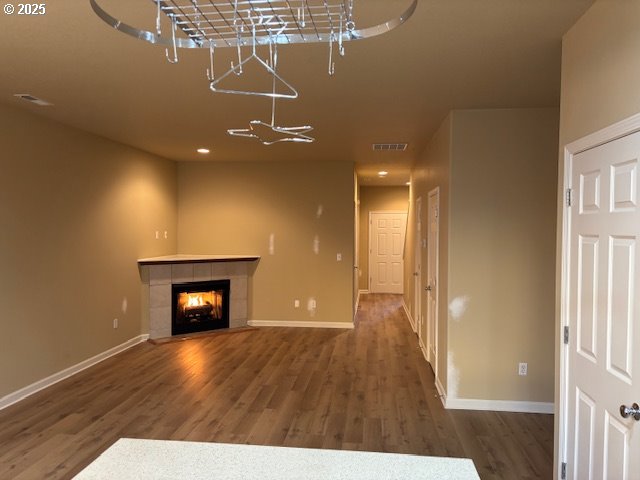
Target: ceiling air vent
column 32, row 99
column 389, row 147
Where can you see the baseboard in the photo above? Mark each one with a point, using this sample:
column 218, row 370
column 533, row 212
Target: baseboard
column 499, row 405
column 423, row 349
column 299, row 324
column 363, row 292
column 411, row 320
column 23, row 393
column 441, row 392
column 355, row 310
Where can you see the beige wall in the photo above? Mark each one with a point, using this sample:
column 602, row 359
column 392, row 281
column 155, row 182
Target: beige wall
column 600, row 69
column 600, row 78
column 235, row 208
column 432, row 171
column 502, row 253
column 496, row 170
column 76, row 212
column 376, row 199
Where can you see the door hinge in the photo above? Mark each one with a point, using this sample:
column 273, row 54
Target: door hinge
column 568, row 197
column 563, row 471
column 566, row 335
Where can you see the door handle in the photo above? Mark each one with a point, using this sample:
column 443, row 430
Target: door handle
column 633, row 411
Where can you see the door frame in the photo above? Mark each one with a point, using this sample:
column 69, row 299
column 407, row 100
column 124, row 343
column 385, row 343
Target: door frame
column 417, row 274
column 608, row 134
column 433, row 327
column 370, row 244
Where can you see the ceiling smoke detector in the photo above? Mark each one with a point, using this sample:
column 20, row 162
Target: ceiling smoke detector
column 30, row 98
column 390, row 147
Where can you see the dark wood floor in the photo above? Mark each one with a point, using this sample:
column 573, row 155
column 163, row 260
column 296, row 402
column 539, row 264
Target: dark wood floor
column 364, row 389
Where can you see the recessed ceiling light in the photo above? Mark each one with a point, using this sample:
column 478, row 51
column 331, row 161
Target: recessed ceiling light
column 204, row 151
column 383, row 173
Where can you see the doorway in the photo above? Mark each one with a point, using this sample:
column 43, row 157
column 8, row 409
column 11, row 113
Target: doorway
column 417, row 275
column 433, row 253
column 386, row 251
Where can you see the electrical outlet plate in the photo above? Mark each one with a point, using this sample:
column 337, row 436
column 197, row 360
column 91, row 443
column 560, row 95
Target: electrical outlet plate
column 522, row 369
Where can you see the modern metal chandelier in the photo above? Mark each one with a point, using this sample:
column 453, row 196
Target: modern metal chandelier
column 246, row 24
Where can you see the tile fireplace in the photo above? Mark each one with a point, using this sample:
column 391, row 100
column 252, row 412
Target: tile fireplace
column 194, row 293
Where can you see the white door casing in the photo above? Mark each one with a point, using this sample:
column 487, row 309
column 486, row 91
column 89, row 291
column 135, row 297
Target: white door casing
column 417, row 280
column 601, row 261
column 433, row 246
column 386, row 249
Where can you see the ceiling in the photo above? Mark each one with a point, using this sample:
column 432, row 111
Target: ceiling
column 395, row 88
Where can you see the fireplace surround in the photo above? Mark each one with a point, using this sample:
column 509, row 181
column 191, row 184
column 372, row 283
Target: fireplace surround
column 161, row 274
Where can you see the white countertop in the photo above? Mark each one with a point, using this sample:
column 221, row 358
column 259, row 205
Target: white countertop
column 130, row 459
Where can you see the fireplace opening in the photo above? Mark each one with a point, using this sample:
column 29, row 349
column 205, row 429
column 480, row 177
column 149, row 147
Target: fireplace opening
column 200, row 306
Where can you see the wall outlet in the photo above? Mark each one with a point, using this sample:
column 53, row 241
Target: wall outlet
column 296, row 303
column 166, row 234
column 339, row 257
column 157, row 234
column 115, row 323
column 522, row 369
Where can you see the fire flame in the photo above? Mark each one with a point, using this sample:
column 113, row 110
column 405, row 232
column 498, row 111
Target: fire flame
column 194, row 301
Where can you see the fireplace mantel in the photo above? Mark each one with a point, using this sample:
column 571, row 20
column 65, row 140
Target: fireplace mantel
column 185, row 258
column 158, row 274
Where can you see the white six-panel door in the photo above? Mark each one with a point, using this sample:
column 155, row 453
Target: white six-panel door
column 386, row 247
column 603, row 359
